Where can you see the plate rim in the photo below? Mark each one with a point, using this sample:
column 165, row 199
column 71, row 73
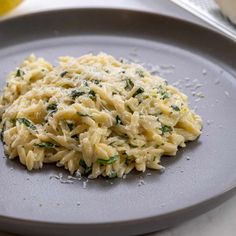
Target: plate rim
column 217, row 198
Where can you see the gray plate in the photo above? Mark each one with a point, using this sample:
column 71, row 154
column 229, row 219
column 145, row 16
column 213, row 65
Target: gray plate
column 34, row 203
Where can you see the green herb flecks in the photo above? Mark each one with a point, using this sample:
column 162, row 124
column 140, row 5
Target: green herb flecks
column 138, row 91
column 63, row 73
column 128, row 108
column 47, row 145
column 52, row 107
column 27, row 123
column 112, row 175
column 132, row 145
column 164, row 95
column 2, row 132
column 159, row 89
column 140, row 72
column 92, row 95
column 85, row 83
column 82, row 163
column 76, row 93
column 19, row 73
column 96, row 81
column 109, row 161
column 129, row 84
column 128, row 160
column 87, row 169
column 165, row 129
column 175, row 108
column 81, row 114
column 118, row 121
column 70, row 126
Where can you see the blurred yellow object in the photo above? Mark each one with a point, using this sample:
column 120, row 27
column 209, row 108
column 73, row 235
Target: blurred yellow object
column 8, row 5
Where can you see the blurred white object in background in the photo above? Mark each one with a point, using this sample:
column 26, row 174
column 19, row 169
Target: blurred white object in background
column 228, row 8
column 209, row 11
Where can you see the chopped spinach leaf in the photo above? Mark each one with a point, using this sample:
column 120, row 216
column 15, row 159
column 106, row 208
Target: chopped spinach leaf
column 96, row 81
column 128, row 108
column 129, row 84
column 118, row 121
column 159, row 89
column 85, row 83
column 52, row 107
column 70, row 126
column 47, row 145
column 174, row 107
column 81, row 114
column 112, row 175
column 82, row 163
column 27, row 123
column 63, row 73
column 128, row 160
column 165, row 129
column 132, row 145
column 2, row 132
column 19, row 73
column 166, row 82
column 138, row 91
column 164, row 95
column 140, row 72
column 87, row 170
column 109, row 161
column 92, row 95
column 76, row 93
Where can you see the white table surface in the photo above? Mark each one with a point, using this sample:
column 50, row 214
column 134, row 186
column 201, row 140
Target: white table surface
column 220, row 221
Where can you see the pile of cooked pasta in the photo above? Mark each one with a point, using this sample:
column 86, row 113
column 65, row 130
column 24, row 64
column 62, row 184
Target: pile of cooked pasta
column 94, row 115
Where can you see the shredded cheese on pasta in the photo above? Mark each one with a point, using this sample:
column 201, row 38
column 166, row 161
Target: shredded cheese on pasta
column 93, row 114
